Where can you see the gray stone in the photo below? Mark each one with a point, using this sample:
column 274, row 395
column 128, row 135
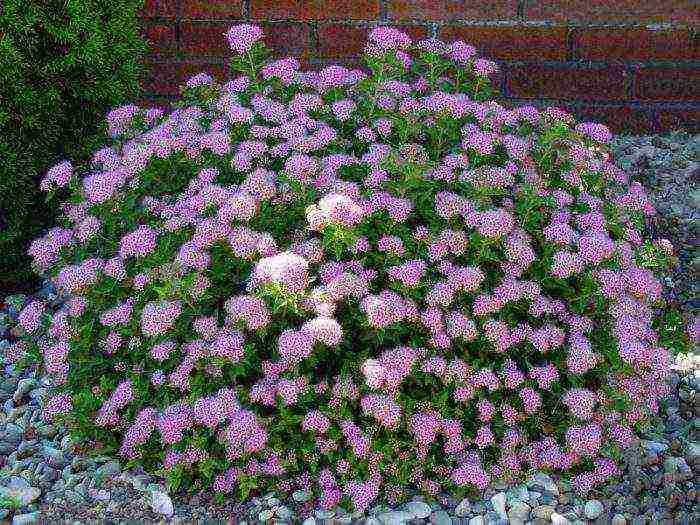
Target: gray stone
column 683, row 465
column 517, row 493
column 440, row 517
column 49, row 475
column 17, row 413
column 558, row 519
column 519, row 513
column 18, row 488
column 671, row 465
column 395, row 517
column 66, row 442
column 619, row 519
column 463, row 509
column 477, row 520
column 78, row 463
column 161, row 503
column 324, row 514
column 265, row 514
column 13, row 433
column 372, row 521
column 301, row 495
column 26, row 448
column 26, row 519
column 54, row 457
column 593, row 509
column 545, row 481
column 283, row 512
column 46, row 431
column 498, row 501
column 100, row 495
column 38, row 394
column 23, row 386
column 695, row 198
column 655, row 446
column 418, row 509
column 111, row 468
column 309, row 521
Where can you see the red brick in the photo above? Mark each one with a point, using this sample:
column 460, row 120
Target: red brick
column 161, row 79
column 163, row 103
column 204, row 38
column 511, row 43
column 496, row 80
column 349, row 63
column 315, row 9
column 339, row 40
column 540, row 81
column 160, row 37
column 632, row 44
column 212, row 8
column 640, row 11
column 618, row 118
column 186, row 70
column 279, row 9
column 288, row 39
column 449, row 10
column 682, row 84
column 670, row 119
column 159, row 8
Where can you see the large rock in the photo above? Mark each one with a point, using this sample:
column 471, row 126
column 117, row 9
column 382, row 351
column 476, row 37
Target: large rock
column 558, row 519
column 418, row 509
column 519, row 513
column 463, row 509
column 23, row 386
column 543, row 512
column 18, row 488
column 26, row 519
column 440, row 517
column 499, row 504
column 162, row 504
column 593, row 509
column 395, row 517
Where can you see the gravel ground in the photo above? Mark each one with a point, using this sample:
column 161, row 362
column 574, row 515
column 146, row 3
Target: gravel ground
column 44, row 478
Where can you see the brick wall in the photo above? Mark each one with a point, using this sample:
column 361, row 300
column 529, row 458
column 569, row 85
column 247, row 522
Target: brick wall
column 631, row 64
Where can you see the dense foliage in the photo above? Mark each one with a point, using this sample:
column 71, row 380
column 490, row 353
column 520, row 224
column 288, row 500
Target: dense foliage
column 63, row 65
column 349, row 283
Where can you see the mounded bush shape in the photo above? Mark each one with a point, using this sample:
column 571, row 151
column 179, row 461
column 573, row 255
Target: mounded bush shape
column 353, row 283
column 63, row 65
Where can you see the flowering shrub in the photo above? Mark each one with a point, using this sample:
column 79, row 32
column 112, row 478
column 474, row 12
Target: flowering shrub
column 353, row 284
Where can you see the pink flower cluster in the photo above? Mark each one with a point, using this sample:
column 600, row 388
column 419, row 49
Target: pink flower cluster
column 334, row 209
column 288, row 270
column 242, row 37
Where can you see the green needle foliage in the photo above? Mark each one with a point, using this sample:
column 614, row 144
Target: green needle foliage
column 63, row 65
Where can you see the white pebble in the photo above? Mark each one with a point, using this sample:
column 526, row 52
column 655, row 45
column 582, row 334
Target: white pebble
column 161, row 503
column 558, row 519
